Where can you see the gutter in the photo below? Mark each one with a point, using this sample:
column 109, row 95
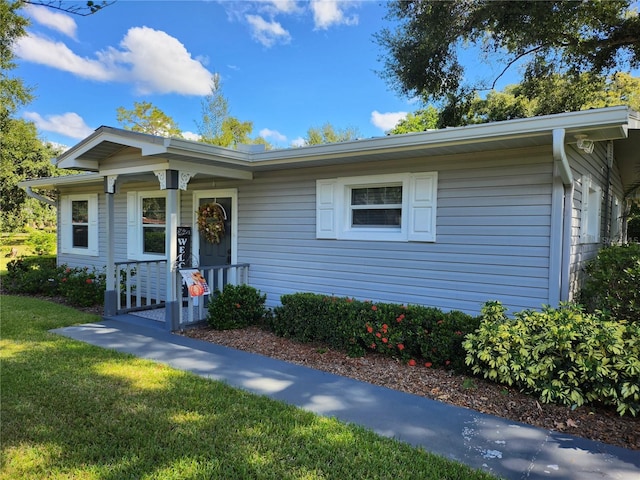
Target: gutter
column 562, row 198
column 39, row 197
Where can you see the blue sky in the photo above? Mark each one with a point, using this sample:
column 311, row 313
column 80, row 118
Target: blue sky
column 285, row 65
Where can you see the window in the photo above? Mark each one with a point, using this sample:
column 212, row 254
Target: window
column 79, row 224
column 591, row 204
column 376, row 207
column 146, row 218
column 153, row 224
column 399, row 207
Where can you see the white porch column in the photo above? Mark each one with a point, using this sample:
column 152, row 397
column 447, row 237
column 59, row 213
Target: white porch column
column 111, row 292
column 169, row 181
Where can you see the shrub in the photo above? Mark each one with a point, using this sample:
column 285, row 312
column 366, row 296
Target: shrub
column 403, row 332
column 40, row 276
column 81, row 287
column 237, row 306
column 42, row 243
column 32, row 275
column 563, row 355
column 612, row 282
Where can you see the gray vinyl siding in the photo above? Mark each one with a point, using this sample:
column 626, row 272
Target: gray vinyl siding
column 595, row 165
column 493, row 234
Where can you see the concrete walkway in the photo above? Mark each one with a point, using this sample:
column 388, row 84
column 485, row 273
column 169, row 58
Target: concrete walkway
column 505, row 448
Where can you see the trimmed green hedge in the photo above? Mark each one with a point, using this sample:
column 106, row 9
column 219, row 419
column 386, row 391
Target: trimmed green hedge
column 40, row 276
column 410, row 333
column 562, row 355
column 237, row 306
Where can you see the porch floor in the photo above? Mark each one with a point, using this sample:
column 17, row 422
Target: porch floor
column 154, row 318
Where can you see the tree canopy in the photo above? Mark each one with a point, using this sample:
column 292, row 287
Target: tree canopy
column 553, row 94
column 568, row 38
column 218, row 127
column 145, row 117
column 327, row 133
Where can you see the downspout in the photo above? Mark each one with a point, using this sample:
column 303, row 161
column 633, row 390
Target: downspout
column 563, row 190
column 40, row 197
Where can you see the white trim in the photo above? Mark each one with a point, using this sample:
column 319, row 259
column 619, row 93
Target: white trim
column 66, row 233
column 590, row 221
column 134, row 225
column 216, row 193
column 419, row 205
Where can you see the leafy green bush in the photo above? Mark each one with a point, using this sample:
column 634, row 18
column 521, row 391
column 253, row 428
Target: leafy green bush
column 40, row 276
column 82, row 287
column 404, row 332
column 42, row 243
column 563, row 355
column 612, row 282
column 237, row 306
column 32, row 275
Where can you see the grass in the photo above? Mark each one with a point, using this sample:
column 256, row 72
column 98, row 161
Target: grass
column 74, row 411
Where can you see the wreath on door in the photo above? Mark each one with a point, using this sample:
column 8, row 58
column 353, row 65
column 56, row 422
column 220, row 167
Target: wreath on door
column 211, row 222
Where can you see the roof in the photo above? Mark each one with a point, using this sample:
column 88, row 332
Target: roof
column 613, row 123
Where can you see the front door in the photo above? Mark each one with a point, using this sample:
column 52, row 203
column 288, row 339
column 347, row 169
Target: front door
column 213, row 254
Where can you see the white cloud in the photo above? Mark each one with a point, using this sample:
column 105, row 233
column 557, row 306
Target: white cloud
column 386, row 121
column 267, row 33
column 68, row 124
column 55, row 20
column 151, row 60
column 275, row 135
column 190, row 136
column 158, row 63
column 36, row 49
column 283, row 6
column 298, row 142
column 327, row 13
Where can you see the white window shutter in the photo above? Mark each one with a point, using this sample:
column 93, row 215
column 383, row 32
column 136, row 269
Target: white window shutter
column 584, row 214
column 65, row 224
column 423, row 194
column 133, row 248
column 326, row 209
column 93, row 225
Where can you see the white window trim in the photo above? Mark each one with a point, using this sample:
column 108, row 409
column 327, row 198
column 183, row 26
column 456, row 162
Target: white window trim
column 616, row 220
column 66, row 233
column 590, row 219
column 134, row 226
column 419, row 204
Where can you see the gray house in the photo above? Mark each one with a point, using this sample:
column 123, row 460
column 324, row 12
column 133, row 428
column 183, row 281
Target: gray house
column 449, row 218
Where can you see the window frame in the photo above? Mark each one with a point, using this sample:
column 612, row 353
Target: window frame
column 67, row 224
column 418, row 208
column 591, row 218
column 135, row 230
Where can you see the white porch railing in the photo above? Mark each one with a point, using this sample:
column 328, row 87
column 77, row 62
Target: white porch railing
column 217, row 276
column 140, row 285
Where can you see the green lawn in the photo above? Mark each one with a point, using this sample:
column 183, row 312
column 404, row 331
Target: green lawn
column 74, row 411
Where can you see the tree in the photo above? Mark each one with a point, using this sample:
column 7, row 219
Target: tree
column 552, row 37
column 13, row 93
column 420, row 121
column 327, row 133
column 75, row 8
column 553, row 94
column 147, row 118
column 23, row 156
column 218, row 127
column 215, row 108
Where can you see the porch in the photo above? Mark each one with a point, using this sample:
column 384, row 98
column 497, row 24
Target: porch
column 143, row 292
